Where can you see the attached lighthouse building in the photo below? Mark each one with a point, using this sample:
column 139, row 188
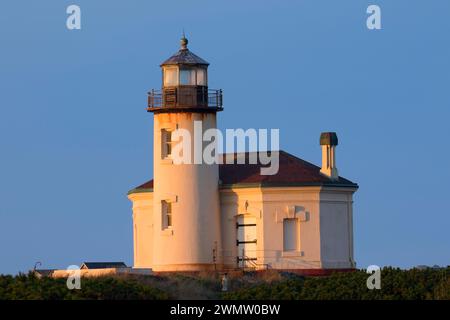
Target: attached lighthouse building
column 194, row 217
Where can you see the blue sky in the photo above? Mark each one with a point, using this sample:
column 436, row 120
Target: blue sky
column 75, row 136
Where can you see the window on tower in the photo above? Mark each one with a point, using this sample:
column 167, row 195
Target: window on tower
column 170, row 77
column 187, row 77
column 166, row 143
column 166, row 214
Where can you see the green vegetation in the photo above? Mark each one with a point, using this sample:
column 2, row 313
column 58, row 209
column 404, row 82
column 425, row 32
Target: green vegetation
column 29, row 287
column 395, row 284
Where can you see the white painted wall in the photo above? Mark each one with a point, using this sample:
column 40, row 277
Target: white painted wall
column 301, row 203
column 325, row 229
column 193, row 191
column 336, row 228
column 324, row 225
column 142, row 229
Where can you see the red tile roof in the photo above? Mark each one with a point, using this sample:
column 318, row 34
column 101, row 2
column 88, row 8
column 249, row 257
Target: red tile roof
column 292, row 171
column 147, row 185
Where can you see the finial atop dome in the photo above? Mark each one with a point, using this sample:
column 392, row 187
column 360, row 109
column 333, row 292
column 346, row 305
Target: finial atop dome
column 184, row 42
column 184, row 56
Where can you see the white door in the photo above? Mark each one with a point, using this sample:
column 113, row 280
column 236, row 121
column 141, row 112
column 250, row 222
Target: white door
column 246, row 241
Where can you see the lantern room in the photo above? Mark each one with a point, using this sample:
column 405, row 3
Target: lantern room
column 185, row 85
column 184, row 68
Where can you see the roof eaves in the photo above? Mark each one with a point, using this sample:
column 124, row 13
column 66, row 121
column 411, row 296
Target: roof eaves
column 139, row 190
column 285, row 184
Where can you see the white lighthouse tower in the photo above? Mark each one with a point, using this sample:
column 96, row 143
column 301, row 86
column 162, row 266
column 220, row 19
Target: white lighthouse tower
column 186, row 207
column 186, row 219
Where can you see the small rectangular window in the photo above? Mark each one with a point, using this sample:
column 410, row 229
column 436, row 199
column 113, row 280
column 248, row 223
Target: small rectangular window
column 166, row 143
column 166, row 214
column 290, row 235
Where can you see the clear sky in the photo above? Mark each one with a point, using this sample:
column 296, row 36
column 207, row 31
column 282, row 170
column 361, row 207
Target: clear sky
column 75, row 136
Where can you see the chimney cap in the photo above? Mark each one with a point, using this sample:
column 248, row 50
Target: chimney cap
column 328, row 139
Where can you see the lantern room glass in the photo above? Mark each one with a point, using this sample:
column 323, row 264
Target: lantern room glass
column 170, row 77
column 186, row 76
column 201, row 77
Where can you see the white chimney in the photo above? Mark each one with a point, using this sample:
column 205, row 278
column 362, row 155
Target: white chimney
column 329, row 141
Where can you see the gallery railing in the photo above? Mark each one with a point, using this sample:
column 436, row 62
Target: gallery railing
column 185, row 97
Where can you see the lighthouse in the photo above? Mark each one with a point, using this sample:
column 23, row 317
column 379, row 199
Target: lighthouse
column 199, row 215
column 185, row 224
